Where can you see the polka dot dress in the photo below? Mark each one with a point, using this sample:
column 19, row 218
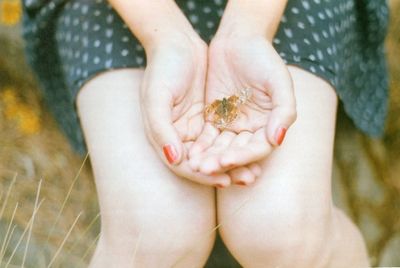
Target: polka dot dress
column 341, row 41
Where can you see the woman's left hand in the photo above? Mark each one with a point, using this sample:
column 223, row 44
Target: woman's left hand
column 236, row 63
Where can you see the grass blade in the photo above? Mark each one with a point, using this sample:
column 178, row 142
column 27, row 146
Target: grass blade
column 66, row 199
column 84, row 233
column 31, row 226
column 64, row 240
column 132, row 262
column 24, row 232
column 8, row 234
column 90, row 247
column 9, row 239
column 3, row 207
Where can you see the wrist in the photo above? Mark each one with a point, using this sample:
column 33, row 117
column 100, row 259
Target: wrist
column 174, row 38
column 232, row 39
column 252, row 18
column 179, row 44
column 231, row 33
column 153, row 22
column 236, row 24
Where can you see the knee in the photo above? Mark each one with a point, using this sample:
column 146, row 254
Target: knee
column 158, row 233
column 158, row 237
column 284, row 237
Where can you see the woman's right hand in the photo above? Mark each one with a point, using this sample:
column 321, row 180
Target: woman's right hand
column 172, row 104
column 172, row 93
column 172, row 100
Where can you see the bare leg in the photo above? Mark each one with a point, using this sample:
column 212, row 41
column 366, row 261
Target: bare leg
column 288, row 219
column 150, row 217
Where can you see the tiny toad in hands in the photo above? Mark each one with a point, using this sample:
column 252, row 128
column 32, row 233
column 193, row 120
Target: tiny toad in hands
column 223, row 112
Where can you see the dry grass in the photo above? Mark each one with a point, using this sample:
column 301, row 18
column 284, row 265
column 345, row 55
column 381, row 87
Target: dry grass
column 67, row 222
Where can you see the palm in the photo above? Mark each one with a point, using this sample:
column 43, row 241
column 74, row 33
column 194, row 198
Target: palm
column 172, row 94
column 246, row 65
column 234, row 66
column 178, row 77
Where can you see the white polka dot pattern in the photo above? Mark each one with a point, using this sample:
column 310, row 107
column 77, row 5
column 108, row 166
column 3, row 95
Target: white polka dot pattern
column 341, row 42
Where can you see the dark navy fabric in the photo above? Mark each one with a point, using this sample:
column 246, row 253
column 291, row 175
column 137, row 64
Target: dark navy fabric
column 341, row 41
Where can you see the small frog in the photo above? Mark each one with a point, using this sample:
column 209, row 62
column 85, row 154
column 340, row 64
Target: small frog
column 223, row 112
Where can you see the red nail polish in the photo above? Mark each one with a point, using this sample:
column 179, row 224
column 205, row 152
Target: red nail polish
column 280, row 135
column 241, row 183
column 170, row 153
column 220, row 186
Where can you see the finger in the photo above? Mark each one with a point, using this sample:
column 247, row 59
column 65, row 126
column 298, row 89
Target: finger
column 242, row 176
column 240, row 143
column 210, row 161
column 255, row 168
column 256, row 149
column 195, row 161
column 206, row 138
column 220, row 180
column 207, row 159
column 223, row 140
column 210, row 165
column 157, row 117
column 283, row 113
column 240, row 140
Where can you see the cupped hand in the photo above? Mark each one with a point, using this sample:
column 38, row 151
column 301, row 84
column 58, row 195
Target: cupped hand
column 235, row 63
column 172, row 104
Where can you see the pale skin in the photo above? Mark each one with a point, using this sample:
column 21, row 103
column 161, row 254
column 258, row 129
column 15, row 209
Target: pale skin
column 157, row 214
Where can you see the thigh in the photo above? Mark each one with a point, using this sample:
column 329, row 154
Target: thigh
column 137, row 193
column 296, row 178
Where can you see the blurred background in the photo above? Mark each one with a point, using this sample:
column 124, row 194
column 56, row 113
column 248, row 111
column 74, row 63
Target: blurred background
column 48, row 207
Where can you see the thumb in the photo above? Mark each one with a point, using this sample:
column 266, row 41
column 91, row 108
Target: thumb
column 283, row 112
column 160, row 129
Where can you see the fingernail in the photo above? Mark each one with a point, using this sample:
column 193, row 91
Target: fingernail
column 241, row 183
column 280, row 135
column 170, row 153
column 220, row 186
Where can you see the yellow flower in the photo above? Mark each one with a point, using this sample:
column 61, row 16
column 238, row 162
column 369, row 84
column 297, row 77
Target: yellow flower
column 8, row 96
column 9, row 99
column 10, row 12
column 28, row 122
column 11, row 112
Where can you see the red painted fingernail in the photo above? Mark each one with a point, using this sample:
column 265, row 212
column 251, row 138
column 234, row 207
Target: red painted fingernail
column 170, row 153
column 220, row 186
column 241, row 183
column 280, row 135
